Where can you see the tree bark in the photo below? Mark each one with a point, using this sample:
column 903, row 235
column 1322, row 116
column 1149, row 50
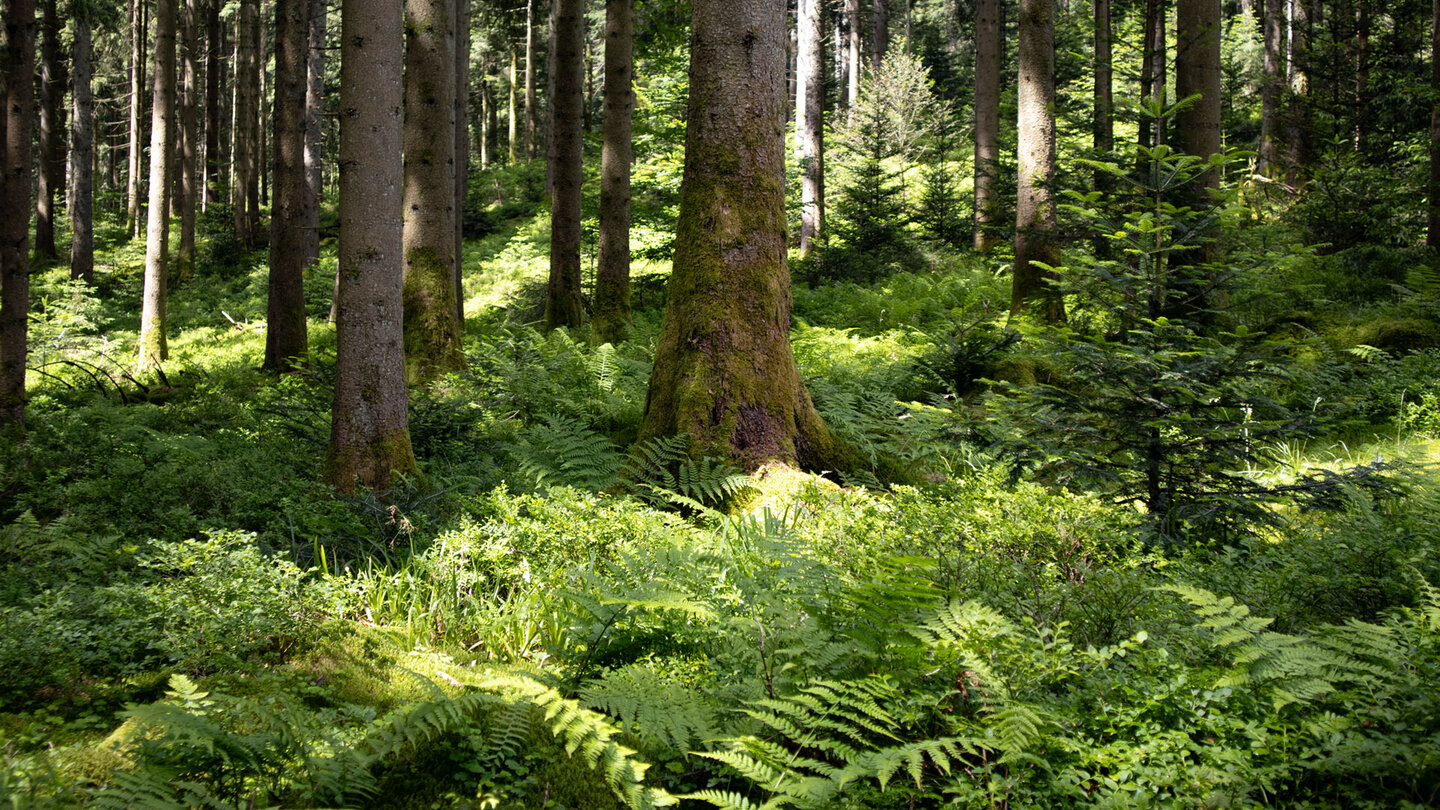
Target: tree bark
column 137, row 106
column 50, row 178
column 562, row 302
column 189, row 140
column 245, row 192
column 1035, row 218
column 810, row 125
column 1298, row 124
column 1152, row 74
column 724, row 373
column 82, row 156
column 432, row 333
column 286, row 340
column 880, row 33
column 369, row 428
column 1272, row 87
column 532, row 107
column 1432, row 231
column 1197, row 73
column 314, row 128
column 214, row 158
column 153, row 345
column 15, row 208
column 1362, row 74
column 988, row 212
column 1103, row 134
column 512, row 151
column 611, row 322
column 462, row 150
column 852, row 85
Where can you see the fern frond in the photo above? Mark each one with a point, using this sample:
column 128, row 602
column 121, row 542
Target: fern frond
column 567, row 452
column 652, row 706
column 735, row 801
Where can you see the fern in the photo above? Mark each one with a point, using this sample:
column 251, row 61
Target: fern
column 652, row 706
column 566, row 452
column 662, row 471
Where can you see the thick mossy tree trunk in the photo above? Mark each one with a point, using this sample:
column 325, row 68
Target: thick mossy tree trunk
column 153, row 345
column 563, row 305
column 611, row 322
column 1035, row 217
column 369, row 427
column 18, row 120
column 724, row 373
column 286, row 342
column 432, row 333
column 82, row 156
column 810, row 123
column 988, row 207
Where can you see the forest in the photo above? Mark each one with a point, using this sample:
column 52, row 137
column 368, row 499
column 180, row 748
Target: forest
column 720, row 403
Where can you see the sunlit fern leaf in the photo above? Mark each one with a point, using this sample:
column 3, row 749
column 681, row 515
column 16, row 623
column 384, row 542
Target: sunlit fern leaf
column 566, row 452
column 735, row 801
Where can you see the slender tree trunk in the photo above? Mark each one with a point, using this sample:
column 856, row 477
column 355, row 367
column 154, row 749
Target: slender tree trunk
column 369, row 428
column 314, row 128
column 138, row 39
column 841, row 45
column 486, row 121
column 15, row 208
column 462, row 149
column 880, row 36
column 432, row 332
column 612, row 275
column 1272, row 86
column 189, row 140
column 852, row 59
column 532, row 107
column 1035, row 218
column 550, row 71
column 987, row 124
column 153, row 346
column 246, row 190
column 810, row 125
column 1362, row 74
column 286, row 340
column 1152, row 74
column 1298, row 136
column 512, row 152
column 1432, row 232
column 82, row 156
column 562, row 302
column 214, row 46
column 724, row 373
column 1103, row 140
column 51, row 175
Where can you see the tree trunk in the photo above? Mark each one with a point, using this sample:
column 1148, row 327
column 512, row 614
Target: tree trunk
column 532, row 107
column 1272, row 87
column 988, row 213
column 1432, row 232
column 15, row 208
column 724, row 373
column 852, row 59
column 562, row 302
column 1197, row 73
column 82, row 156
column 245, row 192
column 1035, row 220
column 286, row 340
column 189, row 140
column 314, row 128
column 462, row 150
column 137, row 105
column 153, row 346
column 880, row 33
column 1362, row 74
column 1103, row 135
column 369, row 428
column 432, row 333
column 51, row 175
column 1298, row 137
column 214, row 162
column 611, row 322
column 512, row 152
column 486, row 121
column 1152, row 75
column 810, row 125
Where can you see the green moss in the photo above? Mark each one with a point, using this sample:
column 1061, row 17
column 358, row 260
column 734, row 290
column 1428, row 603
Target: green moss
column 432, row 336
